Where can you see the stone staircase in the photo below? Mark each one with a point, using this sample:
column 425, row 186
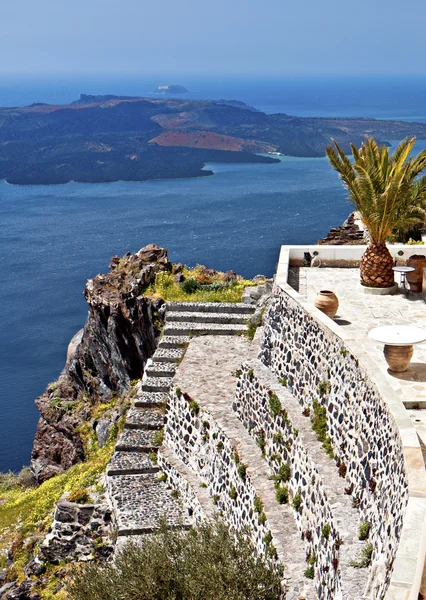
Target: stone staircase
column 137, row 494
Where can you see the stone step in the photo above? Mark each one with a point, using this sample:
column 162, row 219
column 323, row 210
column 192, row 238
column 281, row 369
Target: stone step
column 160, row 369
column 172, row 355
column 173, row 342
column 150, row 399
column 211, row 307
column 142, row 418
column 177, row 329
column 137, row 440
column 139, row 501
column 206, row 317
column 157, row 384
column 131, row 463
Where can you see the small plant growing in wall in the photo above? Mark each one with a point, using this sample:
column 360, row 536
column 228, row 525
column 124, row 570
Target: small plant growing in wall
column 262, row 518
column 194, row 407
column 215, row 499
column 178, row 392
column 261, row 442
column 233, row 493
column 250, row 374
column 236, row 457
column 326, row 530
column 158, row 437
column 363, row 560
column 175, row 494
column 342, row 470
column 153, row 457
column 310, row 571
column 242, row 471
column 278, row 438
column 343, row 352
column 268, row 538
column 258, row 504
column 319, row 425
column 306, row 411
column 274, row 404
column 324, row 388
column 297, row 501
column 162, row 477
column 281, row 494
column 363, row 530
column 237, row 373
column 283, row 381
column 284, row 472
column 219, row 446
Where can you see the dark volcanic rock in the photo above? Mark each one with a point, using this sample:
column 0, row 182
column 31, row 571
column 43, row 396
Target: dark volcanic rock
column 348, row 233
column 118, row 338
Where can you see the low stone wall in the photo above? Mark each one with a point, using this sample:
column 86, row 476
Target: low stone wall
column 283, row 444
column 369, row 429
column 193, row 435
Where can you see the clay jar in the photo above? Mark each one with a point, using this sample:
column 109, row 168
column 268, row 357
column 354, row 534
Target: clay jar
column 415, row 278
column 327, row 302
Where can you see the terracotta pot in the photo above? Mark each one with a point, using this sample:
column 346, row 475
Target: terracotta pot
column 415, row 278
column 327, row 302
column 398, row 357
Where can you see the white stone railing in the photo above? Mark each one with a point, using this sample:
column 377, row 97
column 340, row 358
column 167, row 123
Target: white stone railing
column 321, row 350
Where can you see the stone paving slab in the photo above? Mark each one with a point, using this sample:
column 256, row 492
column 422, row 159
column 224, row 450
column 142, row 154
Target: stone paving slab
column 150, row 399
column 172, row 355
column 157, row 384
column 175, row 329
column 173, row 341
column 126, row 463
column 207, row 317
column 137, row 440
column 358, row 313
column 140, row 500
column 222, row 307
column 160, row 369
column 144, row 418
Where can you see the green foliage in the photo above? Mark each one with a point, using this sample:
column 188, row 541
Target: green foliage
column 363, row 560
column 253, row 323
column 274, row 404
column 384, row 188
column 194, row 407
column 309, row 573
column 203, row 485
column 206, row 563
column 261, row 442
column 153, row 457
column 215, row 499
column 236, row 457
column 363, row 530
column 343, row 352
column 162, row 477
column 326, row 530
column 242, row 471
column 324, row 388
column 319, row 425
column 262, row 518
column 283, row 381
column 268, row 538
column 281, row 494
column 233, row 493
column 175, row 494
column 80, row 496
column 412, row 242
column 219, row 446
column 196, row 287
column 284, row 472
column 158, row 437
column 250, row 374
column 178, row 392
column 237, row 373
column 258, row 504
column 16, row 481
column 297, row 501
column 278, row 438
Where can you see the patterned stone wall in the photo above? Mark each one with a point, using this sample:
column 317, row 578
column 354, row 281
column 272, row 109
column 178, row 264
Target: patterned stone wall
column 364, row 436
column 198, row 441
column 283, row 444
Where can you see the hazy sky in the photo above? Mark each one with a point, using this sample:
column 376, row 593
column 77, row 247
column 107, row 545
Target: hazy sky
column 213, row 36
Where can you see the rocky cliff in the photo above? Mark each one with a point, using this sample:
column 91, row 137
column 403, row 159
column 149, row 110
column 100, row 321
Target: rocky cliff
column 119, row 336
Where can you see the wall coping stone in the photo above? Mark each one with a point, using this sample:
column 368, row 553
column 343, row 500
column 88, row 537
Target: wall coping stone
column 410, row 558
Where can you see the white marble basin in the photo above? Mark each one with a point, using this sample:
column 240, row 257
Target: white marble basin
column 398, row 335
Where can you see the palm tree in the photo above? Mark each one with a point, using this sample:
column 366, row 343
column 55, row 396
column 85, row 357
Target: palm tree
column 389, row 195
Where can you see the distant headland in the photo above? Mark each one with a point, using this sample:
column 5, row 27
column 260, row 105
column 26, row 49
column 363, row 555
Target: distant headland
column 103, row 138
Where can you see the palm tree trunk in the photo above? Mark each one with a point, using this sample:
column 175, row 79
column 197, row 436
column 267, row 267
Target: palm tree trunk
column 376, row 267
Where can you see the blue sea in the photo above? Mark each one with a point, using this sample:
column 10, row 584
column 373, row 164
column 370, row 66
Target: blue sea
column 55, row 237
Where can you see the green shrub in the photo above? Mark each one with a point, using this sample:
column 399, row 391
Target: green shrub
column 206, row 563
column 258, row 504
column 79, row 496
column 219, row 446
column 261, row 442
column 194, row 407
column 281, row 494
column 242, row 471
column 283, row 381
column 189, row 286
column 363, row 530
column 297, row 502
column 233, row 493
column 162, row 477
column 158, row 437
column 178, row 392
column 319, row 425
column 262, row 518
column 268, row 538
column 326, row 530
column 274, row 404
column 284, row 472
column 363, row 560
column 215, row 499
column 278, row 438
column 324, row 388
column 153, row 457
column 175, row 494
column 309, row 573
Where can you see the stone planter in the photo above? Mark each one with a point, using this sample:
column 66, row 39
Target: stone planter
column 415, row 278
column 327, row 302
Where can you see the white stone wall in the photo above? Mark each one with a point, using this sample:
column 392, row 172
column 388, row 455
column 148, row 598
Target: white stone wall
column 200, row 443
column 252, row 404
column 363, row 432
